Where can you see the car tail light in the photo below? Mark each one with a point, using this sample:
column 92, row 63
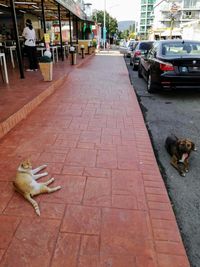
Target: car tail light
column 137, row 53
column 166, row 67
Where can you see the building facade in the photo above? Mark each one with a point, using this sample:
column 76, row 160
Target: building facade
column 169, row 16
column 146, row 18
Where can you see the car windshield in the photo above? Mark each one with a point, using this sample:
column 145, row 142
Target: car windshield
column 181, row 49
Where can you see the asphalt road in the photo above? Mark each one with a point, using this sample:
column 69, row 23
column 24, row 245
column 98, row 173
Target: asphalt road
column 176, row 112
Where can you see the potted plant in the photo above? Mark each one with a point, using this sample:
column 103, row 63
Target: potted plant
column 46, row 66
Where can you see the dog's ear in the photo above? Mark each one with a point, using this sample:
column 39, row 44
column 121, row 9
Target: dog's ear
column 193, row 146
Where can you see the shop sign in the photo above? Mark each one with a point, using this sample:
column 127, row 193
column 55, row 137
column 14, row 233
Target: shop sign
column 174, row 8
column 73, row 7
column 46, row 38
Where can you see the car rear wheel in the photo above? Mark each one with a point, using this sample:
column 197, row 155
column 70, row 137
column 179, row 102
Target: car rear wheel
column 150, row 85
column 131, row 63
column 139, row 72
column 135, row 67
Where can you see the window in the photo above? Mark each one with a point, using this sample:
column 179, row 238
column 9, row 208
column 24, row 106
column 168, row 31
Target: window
column 149, row 22
column 150, row 8
column 151, row 2
column 188, row 15
column 183, row 48
column 153, row 50
column 190, row 3
column 145, row 46
column 142, row 28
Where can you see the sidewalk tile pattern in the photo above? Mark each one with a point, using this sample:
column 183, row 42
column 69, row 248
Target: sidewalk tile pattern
column 113, row 209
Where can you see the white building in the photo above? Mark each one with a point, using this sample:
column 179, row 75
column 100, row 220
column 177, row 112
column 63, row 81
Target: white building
column 191, row 30
column 170, row 15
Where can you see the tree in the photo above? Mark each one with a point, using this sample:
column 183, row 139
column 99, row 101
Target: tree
column 111, row 23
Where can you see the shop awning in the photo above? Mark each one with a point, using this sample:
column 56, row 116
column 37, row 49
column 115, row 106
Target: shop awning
column 73, row 7
column 34, row 7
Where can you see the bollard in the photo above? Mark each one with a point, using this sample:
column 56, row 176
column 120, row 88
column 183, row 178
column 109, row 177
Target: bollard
column 72, row 54
column 82, row 51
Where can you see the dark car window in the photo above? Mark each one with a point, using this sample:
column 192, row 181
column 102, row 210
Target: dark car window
column 131, row 45
column 180, row 49
column 145, row 46
column 152, row 52
column 135, row 45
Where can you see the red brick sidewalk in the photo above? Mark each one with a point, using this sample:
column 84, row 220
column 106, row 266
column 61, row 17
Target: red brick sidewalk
column 113, row 209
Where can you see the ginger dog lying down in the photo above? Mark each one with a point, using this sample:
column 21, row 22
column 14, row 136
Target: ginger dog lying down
column 25, row 183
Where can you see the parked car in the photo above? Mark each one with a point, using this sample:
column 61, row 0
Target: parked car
column 126, row 47
column 130, row 47
column 139, row 49
column 171, row 64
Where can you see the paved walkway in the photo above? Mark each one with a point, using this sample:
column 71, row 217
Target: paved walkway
column 21, row 96
column 113, row 209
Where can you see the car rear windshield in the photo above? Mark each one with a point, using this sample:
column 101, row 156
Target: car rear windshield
column 180, row 49
column 145, row 46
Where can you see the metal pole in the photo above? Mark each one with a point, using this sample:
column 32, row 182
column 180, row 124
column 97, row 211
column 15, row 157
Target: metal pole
column 171, row 27
column 109, row 28
column 70, row 28
column 19, row 54
column 43, row 16
column 76, row 30
column 104, row 26
column 60, row 26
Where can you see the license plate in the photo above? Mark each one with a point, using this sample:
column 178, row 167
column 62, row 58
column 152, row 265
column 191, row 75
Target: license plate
column 183, row 69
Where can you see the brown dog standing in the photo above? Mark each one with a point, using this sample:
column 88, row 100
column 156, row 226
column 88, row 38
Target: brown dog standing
column 179, row 150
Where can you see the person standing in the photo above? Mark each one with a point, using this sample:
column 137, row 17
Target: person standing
column 30, row 47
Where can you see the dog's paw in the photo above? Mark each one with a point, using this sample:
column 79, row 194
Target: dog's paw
column 182, row 174
column 186, row 170
column 44, row 166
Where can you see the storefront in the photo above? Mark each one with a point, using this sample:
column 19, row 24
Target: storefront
column 63, row 20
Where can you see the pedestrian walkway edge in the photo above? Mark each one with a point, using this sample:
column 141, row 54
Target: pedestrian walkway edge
column 22, row 113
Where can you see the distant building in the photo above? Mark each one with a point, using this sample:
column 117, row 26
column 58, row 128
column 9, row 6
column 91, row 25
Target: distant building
column 146, row 18
column 125, row 25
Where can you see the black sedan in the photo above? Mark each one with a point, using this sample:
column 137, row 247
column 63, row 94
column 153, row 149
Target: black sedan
column 171, row 64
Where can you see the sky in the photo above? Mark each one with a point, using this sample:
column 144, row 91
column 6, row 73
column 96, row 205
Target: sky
column 119, row 9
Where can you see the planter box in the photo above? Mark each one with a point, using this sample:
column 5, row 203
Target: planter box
column 47, row 71
column 89, row 50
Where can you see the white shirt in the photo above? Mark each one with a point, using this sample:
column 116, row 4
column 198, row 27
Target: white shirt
column 29, row 36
